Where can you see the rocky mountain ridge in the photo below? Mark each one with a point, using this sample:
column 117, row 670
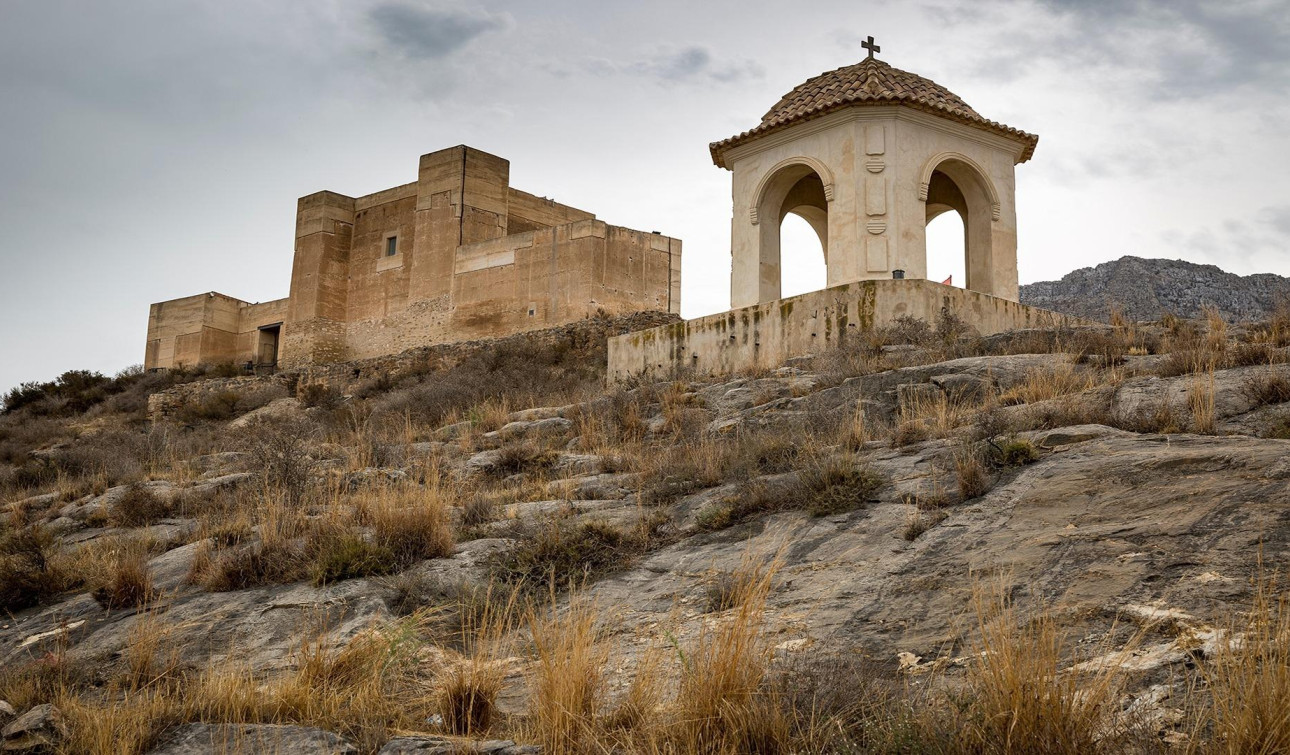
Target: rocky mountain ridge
column 1147, row 289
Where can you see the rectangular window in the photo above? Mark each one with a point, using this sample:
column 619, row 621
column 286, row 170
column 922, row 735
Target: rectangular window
column 391, row 246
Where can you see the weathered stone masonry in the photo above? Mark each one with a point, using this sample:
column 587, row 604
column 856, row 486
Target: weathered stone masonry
column 456, row 255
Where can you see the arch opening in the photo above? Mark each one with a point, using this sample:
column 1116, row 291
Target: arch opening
column 958, row 232
column 793, row 208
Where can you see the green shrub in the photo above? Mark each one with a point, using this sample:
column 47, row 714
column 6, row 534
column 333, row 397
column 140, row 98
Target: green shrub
column 1014, row 452
column 347, row 556
column 837, row 486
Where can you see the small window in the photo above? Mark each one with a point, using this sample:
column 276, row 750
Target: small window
column 391, row 246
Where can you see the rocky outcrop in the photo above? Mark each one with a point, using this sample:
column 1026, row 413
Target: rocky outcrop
column 1146, row 289
column 213, row 739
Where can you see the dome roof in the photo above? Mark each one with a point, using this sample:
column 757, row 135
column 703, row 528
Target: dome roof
column 869, row 82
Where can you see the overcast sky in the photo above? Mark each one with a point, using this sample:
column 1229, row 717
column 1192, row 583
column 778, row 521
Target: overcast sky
column 156, row 149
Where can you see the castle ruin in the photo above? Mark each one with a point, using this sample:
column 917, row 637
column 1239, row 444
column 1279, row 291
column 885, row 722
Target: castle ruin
column 458, row 254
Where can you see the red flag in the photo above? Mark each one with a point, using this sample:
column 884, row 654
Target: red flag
column 948, row 281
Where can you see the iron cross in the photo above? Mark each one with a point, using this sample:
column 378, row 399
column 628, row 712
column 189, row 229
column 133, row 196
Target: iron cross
column 870, row 46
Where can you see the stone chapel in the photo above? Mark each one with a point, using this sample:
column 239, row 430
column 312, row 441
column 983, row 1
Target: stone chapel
column 867, row 154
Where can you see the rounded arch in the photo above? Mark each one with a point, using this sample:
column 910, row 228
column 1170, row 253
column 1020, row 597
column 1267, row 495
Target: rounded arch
column 801, row 186
column 819, row 168
column 981, row 177
column 953, row 181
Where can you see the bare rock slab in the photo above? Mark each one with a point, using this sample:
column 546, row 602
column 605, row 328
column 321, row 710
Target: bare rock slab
column 215, row 739
column 38, row 729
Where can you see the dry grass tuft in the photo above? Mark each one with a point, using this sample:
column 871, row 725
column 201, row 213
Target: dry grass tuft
column 974, row 478
column 1200, row 402
column 723, row 707
column 1248, row 680
column 467, row 689
column 1022, row 696
column 568, row 679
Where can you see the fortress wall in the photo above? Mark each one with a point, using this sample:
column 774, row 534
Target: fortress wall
column 532, row 281
column 378, row 284
column 192, row 330
column 527, row 212
column 767, row 335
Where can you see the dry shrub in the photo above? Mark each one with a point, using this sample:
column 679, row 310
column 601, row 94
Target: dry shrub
column 1020, row 697
column 1276, row 330
column 1266, row 386
column 568, row 679
column 836, row 485
column 412, row 523
column 974, row 478
column 919, row 521
column 922, row 417
column 1013, row 452
column 467, row 690
column 279, row 452
column 1200, row 402
column 682, row 468
column 721, row 703
column 478, row 510
column 845, row 703
column 365, row 690
column 128, row 584
column 1158, row 417
column 1248, row 679
column 561, row 550
column 1252, row 354
column 855, row 433
column 29, row 574
column 522, row 458
column 1048, row 383
column 138, row 507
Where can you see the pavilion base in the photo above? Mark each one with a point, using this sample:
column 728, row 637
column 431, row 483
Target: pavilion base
column 767, row 335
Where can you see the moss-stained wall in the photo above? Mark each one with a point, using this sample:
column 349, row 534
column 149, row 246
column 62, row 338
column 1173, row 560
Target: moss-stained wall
column 766, row 335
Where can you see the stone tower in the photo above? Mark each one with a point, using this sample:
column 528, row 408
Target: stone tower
column 867, row 155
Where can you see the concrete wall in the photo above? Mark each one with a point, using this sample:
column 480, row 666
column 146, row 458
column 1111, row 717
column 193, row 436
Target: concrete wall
column 475, row 258
column 872, row 162
column 208, row 328
column 766, row 335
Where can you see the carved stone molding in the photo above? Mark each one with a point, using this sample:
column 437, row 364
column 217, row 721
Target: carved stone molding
column 875, row 166
column 876, row 226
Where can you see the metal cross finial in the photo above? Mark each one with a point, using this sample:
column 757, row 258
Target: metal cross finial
column 870, row 46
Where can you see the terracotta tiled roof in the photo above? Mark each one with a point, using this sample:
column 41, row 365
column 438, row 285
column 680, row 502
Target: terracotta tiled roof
column 869, row 82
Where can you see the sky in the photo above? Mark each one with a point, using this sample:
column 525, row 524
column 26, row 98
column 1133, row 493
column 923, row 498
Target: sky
column 152, row 149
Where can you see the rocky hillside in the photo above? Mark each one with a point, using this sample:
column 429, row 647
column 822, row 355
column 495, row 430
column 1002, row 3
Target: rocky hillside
column 1148, row 289
column 931, row 542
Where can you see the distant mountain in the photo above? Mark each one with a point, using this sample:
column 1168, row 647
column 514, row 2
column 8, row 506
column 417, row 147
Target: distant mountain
column 1146, row 289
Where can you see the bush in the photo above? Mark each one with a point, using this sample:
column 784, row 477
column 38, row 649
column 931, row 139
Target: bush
column 138, row 507
column 27, row 575
column 837, row 486
column 252, row 565
column 129, row 585
column 1265, row 387
column 1014, row 452
column 973, row 477
column 412, row 527
column 560, row 551
column 347, row 555
column 519, row 458
column 216, row 407
column 319, row 395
